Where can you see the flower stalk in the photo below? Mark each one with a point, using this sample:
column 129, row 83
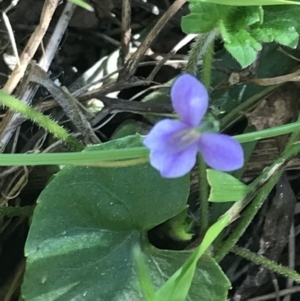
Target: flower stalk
column 267, row 263
column 202, row 179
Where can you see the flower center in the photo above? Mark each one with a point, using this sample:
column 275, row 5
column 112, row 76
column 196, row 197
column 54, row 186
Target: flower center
column 183, row 139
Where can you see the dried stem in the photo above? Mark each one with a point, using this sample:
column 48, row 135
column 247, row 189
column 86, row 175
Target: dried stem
column 126, row 30
column 32, row 45
column 133, row 63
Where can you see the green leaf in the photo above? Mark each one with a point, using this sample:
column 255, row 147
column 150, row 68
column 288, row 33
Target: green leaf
column 243, row 47
column 224, row 187
column 130, row 127
column 213, row 288
column 204, row 17
column 242, row 17
column 143, row 275
column 242, row 40
column 248, row 2
column 243, row 29
column 160, row 96
column 177, row 286
column 82, row 4
column 88, row 221
column 230, row 22
column 281, row 25
column 282, row 36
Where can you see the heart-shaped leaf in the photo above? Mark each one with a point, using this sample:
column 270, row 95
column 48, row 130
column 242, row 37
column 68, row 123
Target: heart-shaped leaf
column 85, row 227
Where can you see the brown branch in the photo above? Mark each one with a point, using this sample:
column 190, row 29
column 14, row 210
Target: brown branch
column 133, row 63
column 126, row 30
column 32, row 45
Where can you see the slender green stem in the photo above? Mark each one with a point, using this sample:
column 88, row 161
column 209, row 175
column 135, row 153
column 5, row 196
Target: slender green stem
column 236, row 113
column 10, row 211
column 246, row 219
column 78, row 158
column 183, row 277
column 198, row 49
column 268, row 133
column 91, row 158
column 263, row 184
column 207, row 65
column 269, row 264
column 203, row 195
column 295, row 136
column 203, row 184
column 42, row 120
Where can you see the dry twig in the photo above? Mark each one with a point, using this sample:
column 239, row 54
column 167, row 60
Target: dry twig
column 126, row 30
column 133, row 63
column 32, row 45
column 12, row 120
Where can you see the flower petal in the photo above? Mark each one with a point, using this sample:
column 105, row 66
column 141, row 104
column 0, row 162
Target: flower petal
column 161, row 135
column 221, row 152
column 189, row 99
column 174, row 165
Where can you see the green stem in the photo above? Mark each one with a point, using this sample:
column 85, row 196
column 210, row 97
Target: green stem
column 246, row 219
column 268, row 133
column 269, row 264
column 263, row 184
column 121, row 154
column 295, row 136
column 236, row 113
column 198, row 49
column 77, row 158
column 94, row 157
column 203, row 184
column 42, row 120
column 207, row 65
column 25, row 211
column 203, row 195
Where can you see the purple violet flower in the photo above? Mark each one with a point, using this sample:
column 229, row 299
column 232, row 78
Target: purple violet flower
column 174, row 144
